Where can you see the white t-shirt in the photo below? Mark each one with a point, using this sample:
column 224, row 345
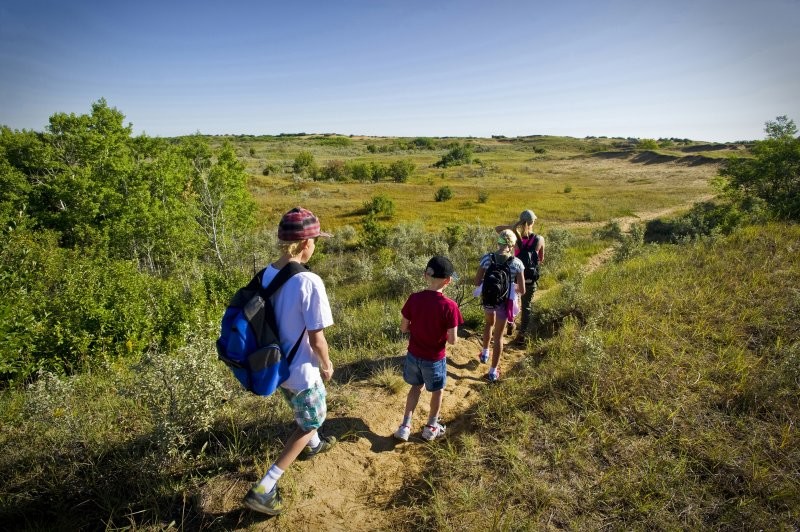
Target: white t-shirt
column 300, row 303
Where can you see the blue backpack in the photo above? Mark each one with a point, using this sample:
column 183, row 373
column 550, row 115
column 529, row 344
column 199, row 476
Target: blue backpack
column 248, row 343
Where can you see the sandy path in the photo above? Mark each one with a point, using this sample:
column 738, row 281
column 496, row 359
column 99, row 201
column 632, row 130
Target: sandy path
column 354, row 486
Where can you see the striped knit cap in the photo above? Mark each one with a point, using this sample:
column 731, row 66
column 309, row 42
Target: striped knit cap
column 299, row 224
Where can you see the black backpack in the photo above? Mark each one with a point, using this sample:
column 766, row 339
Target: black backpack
column 248, row 343
column 496, row 281
column 530, row 259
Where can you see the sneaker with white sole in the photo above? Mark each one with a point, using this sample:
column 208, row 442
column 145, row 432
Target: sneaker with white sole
column 431, row 432
column 493, row 377
column 483, row 357
column 403, row 432
column 266, row 503
column 325, row 444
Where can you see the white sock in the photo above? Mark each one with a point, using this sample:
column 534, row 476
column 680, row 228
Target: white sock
column 485, row 352
column 433, row 420
column 271, row 478
column 314, row 441
column 493, row 371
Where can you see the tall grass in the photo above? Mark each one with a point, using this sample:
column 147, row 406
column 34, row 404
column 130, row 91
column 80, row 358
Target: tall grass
column 669, row 400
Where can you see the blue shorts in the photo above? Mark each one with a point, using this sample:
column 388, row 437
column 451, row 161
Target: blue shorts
column 418, row 371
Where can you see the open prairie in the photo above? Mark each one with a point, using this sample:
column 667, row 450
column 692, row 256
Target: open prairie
column 563, row 180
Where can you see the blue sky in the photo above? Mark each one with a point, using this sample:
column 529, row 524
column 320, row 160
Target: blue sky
column 702, row 69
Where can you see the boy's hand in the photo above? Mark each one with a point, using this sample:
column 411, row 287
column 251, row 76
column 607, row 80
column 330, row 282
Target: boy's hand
column 327, row 373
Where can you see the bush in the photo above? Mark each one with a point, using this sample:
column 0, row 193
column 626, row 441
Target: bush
column 483, row 196
column 443, row 194
column 360, row 172
column 182, row 391
column 401, row 170
column 773, row 174
column 458, row 155
column 334, row 170
column 303, row 161
column 647, row 144
column 380, row 206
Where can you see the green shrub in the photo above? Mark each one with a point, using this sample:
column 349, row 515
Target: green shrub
column 303, row 161
column 773, row 174
column 457, row 155
column 380, row 205
column 334, row 170
column 443, row 194
column 647, row 144
column 401, row 170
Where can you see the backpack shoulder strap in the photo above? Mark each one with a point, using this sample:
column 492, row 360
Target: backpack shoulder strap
column 285, row 273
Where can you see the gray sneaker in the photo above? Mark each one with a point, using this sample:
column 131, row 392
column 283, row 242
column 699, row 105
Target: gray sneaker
column 265, row 503
column 431, row 432
column 325, row 444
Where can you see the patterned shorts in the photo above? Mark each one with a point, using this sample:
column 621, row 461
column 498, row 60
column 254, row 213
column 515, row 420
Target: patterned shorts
column 309, row 406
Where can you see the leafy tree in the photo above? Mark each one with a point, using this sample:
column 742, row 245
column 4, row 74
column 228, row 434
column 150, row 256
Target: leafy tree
column 82, row 171
column 773, row 174
column 14, row 185
column 225, row 207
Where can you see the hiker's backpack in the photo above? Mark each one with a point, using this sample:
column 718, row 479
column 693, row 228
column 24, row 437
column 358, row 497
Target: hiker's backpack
column 248, row 343
column 530, row 259
column 496, row 281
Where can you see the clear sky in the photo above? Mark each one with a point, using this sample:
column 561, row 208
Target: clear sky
column 711, row 70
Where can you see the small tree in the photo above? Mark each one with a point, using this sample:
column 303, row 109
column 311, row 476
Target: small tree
column 773, row 174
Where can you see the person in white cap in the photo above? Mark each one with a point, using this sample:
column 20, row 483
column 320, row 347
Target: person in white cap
column 530, row 250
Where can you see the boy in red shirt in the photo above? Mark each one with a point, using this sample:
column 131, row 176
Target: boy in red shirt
column 432, row 319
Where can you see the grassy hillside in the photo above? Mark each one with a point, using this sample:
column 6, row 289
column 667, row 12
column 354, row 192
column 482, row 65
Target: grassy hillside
column 635, row 407
column 667, row 399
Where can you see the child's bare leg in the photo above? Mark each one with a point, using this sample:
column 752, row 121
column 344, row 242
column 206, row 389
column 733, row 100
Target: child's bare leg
column 436, row 404
column 497, row 341
column 412, row 399
column 294, row 445
column 487, row 328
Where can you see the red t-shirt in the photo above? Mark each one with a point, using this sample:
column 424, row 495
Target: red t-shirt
column 431, row 315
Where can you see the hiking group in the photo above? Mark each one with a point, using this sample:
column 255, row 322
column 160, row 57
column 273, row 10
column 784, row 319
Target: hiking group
column 286, row 306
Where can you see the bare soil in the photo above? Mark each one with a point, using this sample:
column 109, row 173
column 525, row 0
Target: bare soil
column 358, row 485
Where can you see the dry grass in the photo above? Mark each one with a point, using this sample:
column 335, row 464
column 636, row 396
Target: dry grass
column 668, row 399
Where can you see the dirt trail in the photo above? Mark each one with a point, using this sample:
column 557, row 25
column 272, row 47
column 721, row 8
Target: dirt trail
column 355, row 486
column 625, row 223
